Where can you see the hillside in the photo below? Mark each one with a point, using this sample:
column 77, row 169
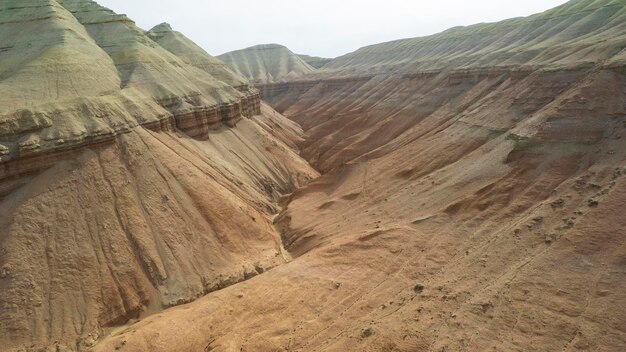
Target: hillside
column 192, row 54
column 457, row 192
column 580, row 33
column 267, row 63
column 133, row 176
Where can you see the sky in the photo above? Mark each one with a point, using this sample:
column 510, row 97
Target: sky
column 327, row 28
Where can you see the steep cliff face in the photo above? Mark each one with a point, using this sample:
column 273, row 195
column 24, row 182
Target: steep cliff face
column 267, row 63
column 133, row 176
column 471, row 200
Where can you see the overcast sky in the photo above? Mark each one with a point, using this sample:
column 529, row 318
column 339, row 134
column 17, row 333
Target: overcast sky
column 327, row 28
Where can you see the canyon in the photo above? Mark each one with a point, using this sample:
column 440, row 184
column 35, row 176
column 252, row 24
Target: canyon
column 456, row 192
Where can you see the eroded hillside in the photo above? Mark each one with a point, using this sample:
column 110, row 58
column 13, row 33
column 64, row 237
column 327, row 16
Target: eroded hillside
column 470, row 197
column 133, row 176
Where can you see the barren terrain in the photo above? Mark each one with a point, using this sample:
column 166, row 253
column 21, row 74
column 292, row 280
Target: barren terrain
column 457, row 192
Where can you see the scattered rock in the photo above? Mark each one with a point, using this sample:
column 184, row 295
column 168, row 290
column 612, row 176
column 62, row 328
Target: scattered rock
column 557, row 203
column 5, row 271
column 90, row 340
column 569, row 223
column 486, row 307
column 259, row 269
column 120, row 345
column 249, row 274
column 580, row 183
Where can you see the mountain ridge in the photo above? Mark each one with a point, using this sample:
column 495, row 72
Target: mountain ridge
column 266, row 63
column 432, row 53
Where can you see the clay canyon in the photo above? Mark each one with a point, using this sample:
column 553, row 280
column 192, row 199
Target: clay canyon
column 463, row 191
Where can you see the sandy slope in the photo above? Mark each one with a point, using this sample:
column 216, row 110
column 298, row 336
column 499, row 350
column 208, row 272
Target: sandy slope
column 151, row 221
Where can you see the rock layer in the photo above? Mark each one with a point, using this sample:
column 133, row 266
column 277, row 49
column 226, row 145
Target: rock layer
column 110, row 77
